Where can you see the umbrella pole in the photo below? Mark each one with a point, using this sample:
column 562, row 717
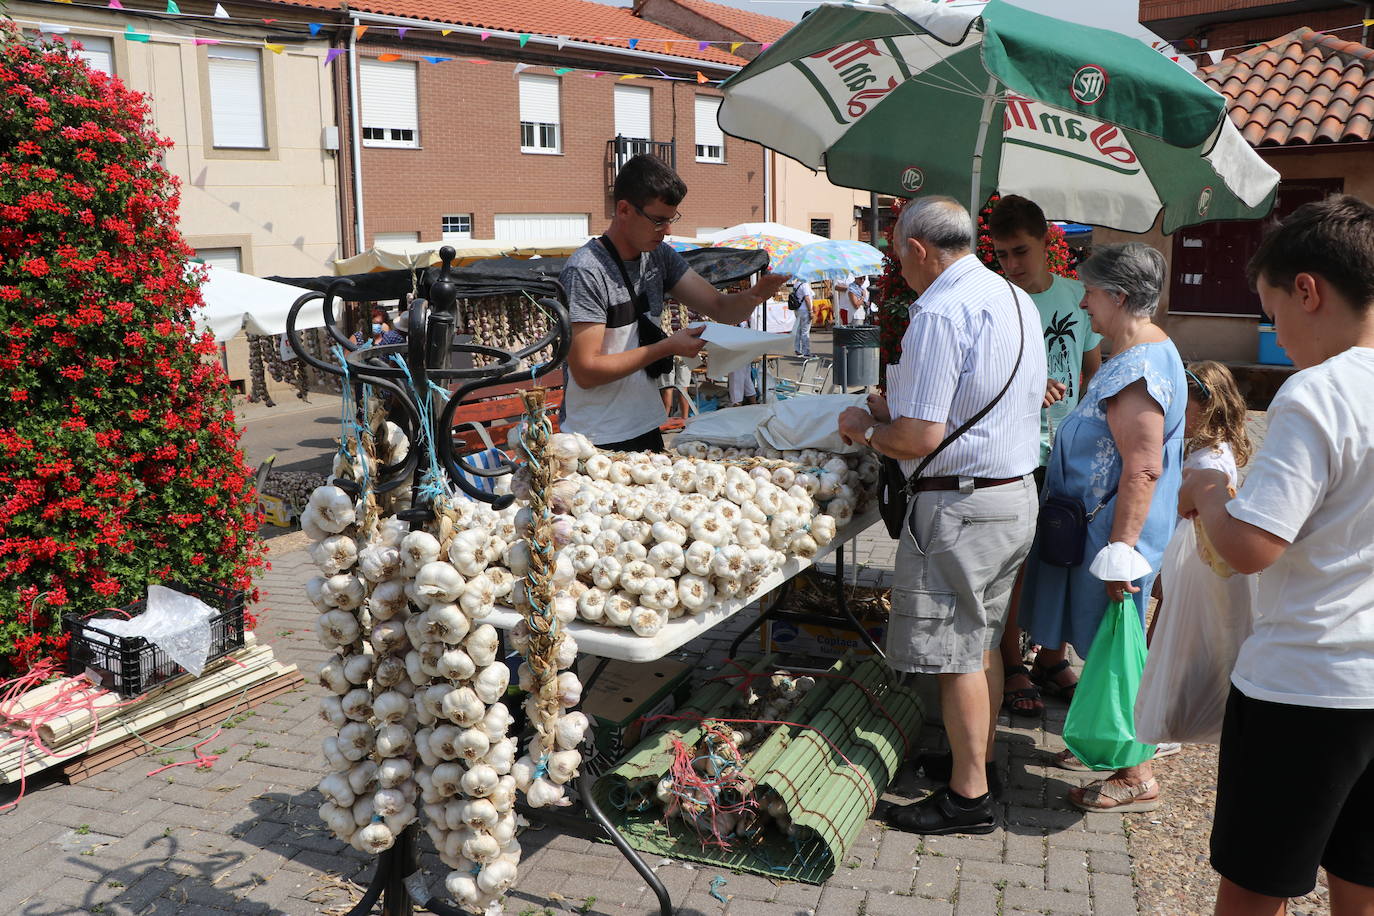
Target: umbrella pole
column 990, row 99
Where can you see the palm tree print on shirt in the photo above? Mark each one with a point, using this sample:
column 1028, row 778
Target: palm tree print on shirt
column 1059, row 337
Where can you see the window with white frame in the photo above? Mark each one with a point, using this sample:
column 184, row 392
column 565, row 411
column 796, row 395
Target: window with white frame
column 390, row 103
column 633, row 112
column 458, row 226
column 98, row 53
column 236, row 109
column 223, row 258
column 540, row 125
column 710, row 138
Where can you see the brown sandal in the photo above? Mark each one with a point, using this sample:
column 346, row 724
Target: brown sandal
column 1044, row 678
column 1116, row 797
column 1022, row 701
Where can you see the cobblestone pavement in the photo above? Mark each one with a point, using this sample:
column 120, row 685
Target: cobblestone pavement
column 244, row 836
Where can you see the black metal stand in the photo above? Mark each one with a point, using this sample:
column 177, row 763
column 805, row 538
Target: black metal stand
column 428, row 354
column 845, row 620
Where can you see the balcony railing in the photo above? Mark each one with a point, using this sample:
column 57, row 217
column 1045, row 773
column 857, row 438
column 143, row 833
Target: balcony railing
column 621, row 149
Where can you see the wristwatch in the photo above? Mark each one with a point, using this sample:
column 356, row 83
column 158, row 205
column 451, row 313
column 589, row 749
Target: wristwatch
column 868, row 435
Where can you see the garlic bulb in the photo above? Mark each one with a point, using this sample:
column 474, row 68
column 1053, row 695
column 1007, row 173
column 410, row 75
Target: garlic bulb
column 563, row 766
column 481, row 644
column 334, row 554
column 373, row 839
column 447, row 623
column 491, row 682
column 438, row 582
column 417, row 549
column 333, row 508
column 544, row 793
column 480, row 781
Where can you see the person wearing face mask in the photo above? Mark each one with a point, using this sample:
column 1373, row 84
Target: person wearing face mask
column 616, row 286
column 381, row 332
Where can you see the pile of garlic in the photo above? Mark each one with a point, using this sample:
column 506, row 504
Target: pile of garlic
column 644, row 538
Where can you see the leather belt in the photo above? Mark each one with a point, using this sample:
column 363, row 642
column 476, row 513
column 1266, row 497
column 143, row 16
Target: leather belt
column 925, row 484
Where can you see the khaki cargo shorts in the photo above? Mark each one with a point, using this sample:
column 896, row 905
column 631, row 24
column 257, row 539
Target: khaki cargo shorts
column 957, row 560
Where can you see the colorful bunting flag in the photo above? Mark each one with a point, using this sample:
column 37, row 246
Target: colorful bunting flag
column 562, row 40
column 633, row 76
column 221, row 12
column 331, row 54
column 701, row 45
column 484, row 36
column 596, row 74
column 315, row 29
column 701, row 77
column 1216, row 56
column 173, row 8
column 401, row 33
column 269, row 21
column 734, row 46
column 205, row 41
column 1368, row 22
column 520, row 68
column 388, row 58
column 116, row 5
column 446, row 32
column 562, row 70
column 524, row 38
column 765, row 46
column 633, row 42
column 438, row 60
column 275, row 49
column 131, row 35
column 359, row 31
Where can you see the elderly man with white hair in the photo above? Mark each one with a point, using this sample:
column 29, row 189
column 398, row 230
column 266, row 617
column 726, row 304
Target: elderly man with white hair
column 962, row 416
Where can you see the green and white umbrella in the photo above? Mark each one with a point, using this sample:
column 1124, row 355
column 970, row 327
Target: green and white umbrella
column 914, row 97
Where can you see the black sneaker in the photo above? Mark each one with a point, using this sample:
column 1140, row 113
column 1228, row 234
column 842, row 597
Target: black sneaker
column 939, row 767
column 939, row 815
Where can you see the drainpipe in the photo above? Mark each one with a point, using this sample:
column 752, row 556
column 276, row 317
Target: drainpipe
column 355, row 135
column 767, row 184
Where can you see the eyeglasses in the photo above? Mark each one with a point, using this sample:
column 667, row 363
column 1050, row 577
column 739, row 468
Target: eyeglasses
column 660, row 222
column 1203, row 391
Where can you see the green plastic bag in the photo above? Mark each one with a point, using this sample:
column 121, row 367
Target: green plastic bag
column 1100, row 728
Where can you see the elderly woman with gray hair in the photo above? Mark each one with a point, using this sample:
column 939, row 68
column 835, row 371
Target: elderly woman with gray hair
column 1119, row 454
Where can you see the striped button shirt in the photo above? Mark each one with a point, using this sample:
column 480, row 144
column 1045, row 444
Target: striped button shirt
column 956, row 355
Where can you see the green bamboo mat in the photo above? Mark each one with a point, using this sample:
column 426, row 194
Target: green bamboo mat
column 863, row 718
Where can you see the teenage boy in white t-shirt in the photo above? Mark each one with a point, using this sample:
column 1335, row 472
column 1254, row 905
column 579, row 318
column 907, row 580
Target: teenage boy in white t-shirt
column 1304, row 680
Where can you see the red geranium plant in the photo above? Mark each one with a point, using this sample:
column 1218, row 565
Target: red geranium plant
column 896, row 297
column 119, row 458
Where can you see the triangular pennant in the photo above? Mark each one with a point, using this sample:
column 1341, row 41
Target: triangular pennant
column 484, row 36
column 1216, row 56
column 172, row 8
column 359, row 31
column 401, row 32
column 562, row 70
column 131, row 35
column 701, row 77
column 478, row 60
column 702, row 45
column 388, row 58
column 275, row 49
column 520, row 68
column 221, row 12
column 734, row 46
column 438, row 60
column 205, row 41
column 765, row 46
column 597, row 73
column 562, row 40
column 633, row 42
column 269, row 21
column 331, row 54
column 1368, row 22
column 633, row 76
column 315, row 29
column 116, row 5
column 524, row 38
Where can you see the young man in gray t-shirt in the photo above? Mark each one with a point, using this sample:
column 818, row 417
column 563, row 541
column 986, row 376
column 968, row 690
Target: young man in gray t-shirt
column 614, row 280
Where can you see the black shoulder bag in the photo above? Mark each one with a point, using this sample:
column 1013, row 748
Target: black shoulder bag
column 649, row 332
column 895, row 488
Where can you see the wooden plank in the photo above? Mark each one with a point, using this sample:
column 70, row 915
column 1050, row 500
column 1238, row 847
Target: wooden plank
column 501, row 408
column 78, row 769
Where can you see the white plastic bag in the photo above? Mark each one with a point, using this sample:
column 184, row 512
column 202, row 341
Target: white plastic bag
column 729, row 426
column 1204, row 619
column 177, row 624
column 811, row 421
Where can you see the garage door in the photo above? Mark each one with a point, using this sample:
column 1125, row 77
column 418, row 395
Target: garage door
column 527, row 227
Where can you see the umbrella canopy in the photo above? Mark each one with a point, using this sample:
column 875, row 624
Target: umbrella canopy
column 776, row 248
column 832, row 260
column 777, row 230
column 913, row 97
column 234, row 301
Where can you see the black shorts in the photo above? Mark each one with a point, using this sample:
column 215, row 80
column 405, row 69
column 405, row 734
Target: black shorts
column 1295, row 790
column 652, row 441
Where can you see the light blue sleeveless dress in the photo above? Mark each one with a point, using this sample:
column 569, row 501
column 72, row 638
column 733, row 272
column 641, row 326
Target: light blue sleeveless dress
column 1066, row 605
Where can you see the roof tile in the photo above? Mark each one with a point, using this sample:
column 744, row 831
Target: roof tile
column 753, row 26
column 1301, row 88
column 580, row 20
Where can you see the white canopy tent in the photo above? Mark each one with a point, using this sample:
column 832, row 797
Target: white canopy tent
column 235, row 301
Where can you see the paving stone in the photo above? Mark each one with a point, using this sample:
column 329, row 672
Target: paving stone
column 1067, row 870
column 936, row 876
column 898, row 850
column 1023, row 849
column 977, row 898
column 1116, row 863
column 988, row 847
column 877, row 904
column 1078, row 839
column 872, row 879
column 798, row 894
column 745, row 886
column 1112, row 894
column 840, row 900
column 706, row 905
column 1043, row 901
column 746, row 907
column 1001, row 873
column 1052, row 820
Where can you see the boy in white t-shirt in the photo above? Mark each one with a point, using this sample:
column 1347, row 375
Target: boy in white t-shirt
column 1305, row 678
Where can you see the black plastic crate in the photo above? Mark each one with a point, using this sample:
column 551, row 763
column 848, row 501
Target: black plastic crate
column 130, row 665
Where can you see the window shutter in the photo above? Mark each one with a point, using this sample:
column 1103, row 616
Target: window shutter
column 236, row 111
column 224, row 258
column 389, row 97
column 709, row 133
column 632, row 112
column 539, row 99
column 98, row 53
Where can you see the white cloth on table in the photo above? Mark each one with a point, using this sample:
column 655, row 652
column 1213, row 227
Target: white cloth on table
column 811, row 421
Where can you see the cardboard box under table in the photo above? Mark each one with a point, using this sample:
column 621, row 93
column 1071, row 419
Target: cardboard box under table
column 624, row 695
